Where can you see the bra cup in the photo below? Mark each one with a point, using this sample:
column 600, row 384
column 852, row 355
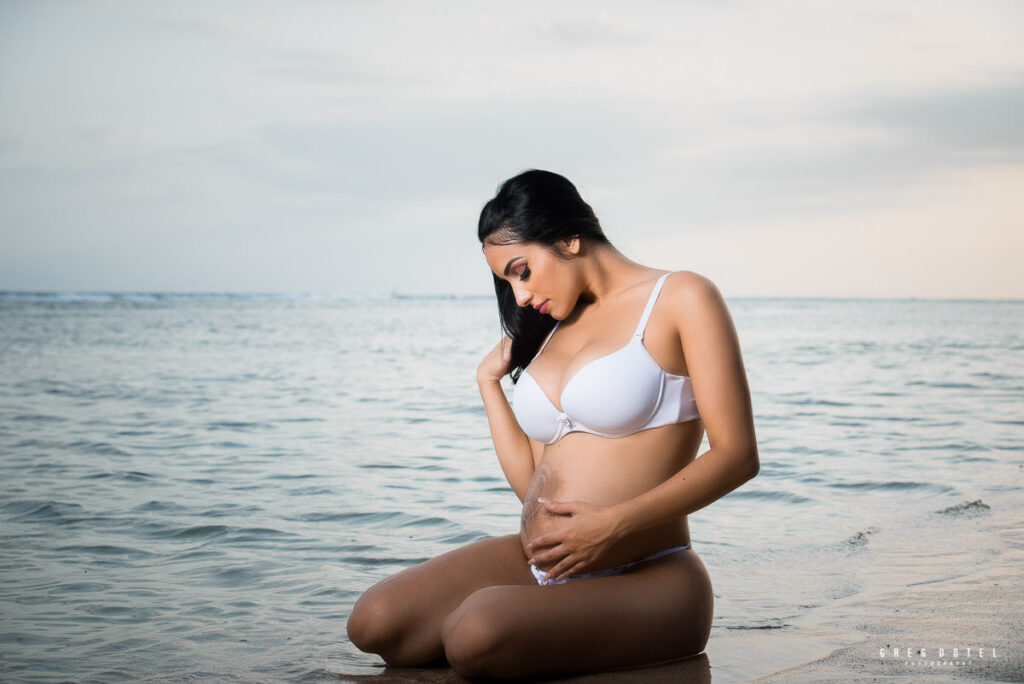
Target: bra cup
column 533, row 410
column 615, row 394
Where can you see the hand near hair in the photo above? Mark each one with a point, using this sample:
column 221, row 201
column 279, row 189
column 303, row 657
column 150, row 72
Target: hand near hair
column 495, row 365
column 586, row 536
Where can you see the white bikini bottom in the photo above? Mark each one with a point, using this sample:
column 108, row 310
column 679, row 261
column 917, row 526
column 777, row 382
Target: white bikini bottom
column 539, row 574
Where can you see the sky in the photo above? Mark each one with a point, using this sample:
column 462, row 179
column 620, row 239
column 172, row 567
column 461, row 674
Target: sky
column 804, row 149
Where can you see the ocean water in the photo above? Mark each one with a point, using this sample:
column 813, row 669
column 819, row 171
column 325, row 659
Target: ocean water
column 200, row 486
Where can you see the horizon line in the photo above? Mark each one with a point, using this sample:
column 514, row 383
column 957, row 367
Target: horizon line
column 396, row 295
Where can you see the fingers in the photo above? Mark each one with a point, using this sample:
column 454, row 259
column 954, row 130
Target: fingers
column 542, row 541
column 548, row 556
column 561, row 569
column 558, row 506
column 568, row 573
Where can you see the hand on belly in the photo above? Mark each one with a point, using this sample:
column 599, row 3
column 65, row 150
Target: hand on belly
column 574, row 536
column 536, row 521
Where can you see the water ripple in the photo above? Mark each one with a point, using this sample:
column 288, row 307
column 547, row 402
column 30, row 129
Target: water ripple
column 200, row 486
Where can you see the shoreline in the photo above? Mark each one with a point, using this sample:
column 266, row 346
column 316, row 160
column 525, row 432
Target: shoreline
column 983, row 610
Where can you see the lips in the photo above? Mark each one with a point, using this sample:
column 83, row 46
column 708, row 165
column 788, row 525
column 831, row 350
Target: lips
column 543, row 308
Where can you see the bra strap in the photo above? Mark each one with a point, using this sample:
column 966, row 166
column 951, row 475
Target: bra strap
column 546, row 339
column 650, row 305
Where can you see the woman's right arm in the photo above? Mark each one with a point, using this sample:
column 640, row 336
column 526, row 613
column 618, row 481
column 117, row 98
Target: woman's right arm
column 516, row 451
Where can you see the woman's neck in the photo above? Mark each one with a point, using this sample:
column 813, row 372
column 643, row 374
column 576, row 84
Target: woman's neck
column 606, row 274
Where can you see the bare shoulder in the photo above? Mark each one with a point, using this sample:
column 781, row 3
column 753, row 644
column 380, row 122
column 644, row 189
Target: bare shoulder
column 692, row 291
column 700, row 315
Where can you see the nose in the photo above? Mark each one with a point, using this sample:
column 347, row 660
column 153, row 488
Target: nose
column 522, row 297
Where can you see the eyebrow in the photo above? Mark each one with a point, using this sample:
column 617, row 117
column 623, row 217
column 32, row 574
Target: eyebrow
column 509, row 264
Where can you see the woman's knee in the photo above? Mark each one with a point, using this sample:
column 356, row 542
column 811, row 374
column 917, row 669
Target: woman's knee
column 375, row 622
column 474, row 633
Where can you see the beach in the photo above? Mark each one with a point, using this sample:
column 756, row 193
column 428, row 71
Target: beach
column 967, row 628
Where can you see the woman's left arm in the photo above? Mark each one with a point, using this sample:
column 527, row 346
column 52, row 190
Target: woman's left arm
column 715, row 365
column 720, row 388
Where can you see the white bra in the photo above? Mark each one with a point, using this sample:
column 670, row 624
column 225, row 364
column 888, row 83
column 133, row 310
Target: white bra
column 612, row 396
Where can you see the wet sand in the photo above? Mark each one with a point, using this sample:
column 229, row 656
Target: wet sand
column 983, row 612
column 696, row 669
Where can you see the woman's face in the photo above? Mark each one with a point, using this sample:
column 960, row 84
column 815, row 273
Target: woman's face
column 538, row 278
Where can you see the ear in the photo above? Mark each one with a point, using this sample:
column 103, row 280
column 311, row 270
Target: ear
column 573, row 244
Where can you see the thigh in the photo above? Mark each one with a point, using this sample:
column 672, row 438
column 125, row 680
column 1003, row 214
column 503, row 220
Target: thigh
column 400, row 617
column 654, row 612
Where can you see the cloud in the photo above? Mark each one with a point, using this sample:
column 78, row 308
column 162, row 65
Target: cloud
column 335, row 71
column 438, row 149
column 946, row 235
column 598, row 30
column 982, row 122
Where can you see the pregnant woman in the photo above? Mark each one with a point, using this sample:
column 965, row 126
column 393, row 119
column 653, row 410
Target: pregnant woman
column 619, row 368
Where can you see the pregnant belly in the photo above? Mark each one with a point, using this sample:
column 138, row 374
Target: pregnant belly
column 584, row 475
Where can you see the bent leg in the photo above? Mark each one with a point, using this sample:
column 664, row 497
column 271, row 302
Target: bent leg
column 400, row 617
column 654, row 612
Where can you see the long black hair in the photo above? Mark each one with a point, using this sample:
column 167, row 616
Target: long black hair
column 540, row 207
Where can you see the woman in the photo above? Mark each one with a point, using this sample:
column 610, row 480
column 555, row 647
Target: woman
column 599, row 444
